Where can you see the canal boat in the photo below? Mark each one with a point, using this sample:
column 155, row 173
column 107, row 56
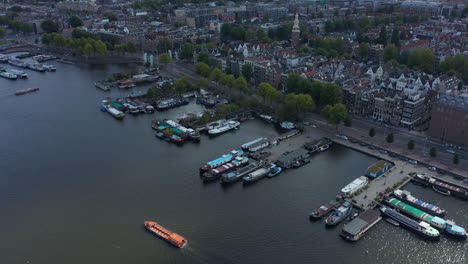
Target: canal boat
column 171, row 103
column 274, row 170
column 287, row 125
column 340, row 214
column 326, row 208
column 393, row 222
column 448, row 226
column 206, row 101
column 49, row 67
column 36, row 67
column 8, row 75
column 221, row 160
column 442, row 187
column 171, row 237
column 237, row 175
column 20, row 74
column 441, row 191
column 216, row 173
column 323, row 148
column 192, row 133
column 102, row 85
column 4, row 58
column 25, row 91
column 256, row 175
column 300, row 162
column 421, row 228
column 355, row 186
column 175, row 139
column 18, row 63
column 406, row 197
column 247, row 145
column 267, row 118
column 229, row 125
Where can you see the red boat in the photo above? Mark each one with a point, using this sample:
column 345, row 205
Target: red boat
column 25, row 91
column 165, row 234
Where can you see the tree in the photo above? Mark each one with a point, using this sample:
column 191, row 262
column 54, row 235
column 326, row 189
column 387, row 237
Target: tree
column 228, row 80
column 335, row 114
column 247, row 71
column 182, row 85
column 249, row 35
column 411, row 144
column 203, row 57
column 165, row 59
column 111, row 16
column 263, row 88
column 164, row 45
column 49, row 25
column 202, row 69
column 456, row 159
column 187, row 51
column 216, row 75
column 396, row 37
column 390, row 138
column 371, row 132
column 150, row 93
column 390, row 52
column 433, row 152
column 2, row 32
column 75, row 21
column 329, row 26
column 241, row 84
column 88, row 49
column 363, row 50
column 100, row 48
column 383, row 35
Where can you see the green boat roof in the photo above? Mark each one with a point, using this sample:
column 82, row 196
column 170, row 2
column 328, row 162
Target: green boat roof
column 378, row 166
column 411, row 209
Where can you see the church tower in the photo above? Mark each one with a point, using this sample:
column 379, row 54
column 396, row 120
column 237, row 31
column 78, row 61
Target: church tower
column 296, row 32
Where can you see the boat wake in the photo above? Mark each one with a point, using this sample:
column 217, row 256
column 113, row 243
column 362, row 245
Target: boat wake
column 202, row 255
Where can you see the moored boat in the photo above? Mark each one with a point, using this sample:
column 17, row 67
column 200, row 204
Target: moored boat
column 229, row 125
column 215, row 173
column 171, row 103
column 221, row 160
column 421, row 228
column 208, row 102
column 237, row 175
column 326, row 208
column 171, row 237
column 287, row 125
column 256, row 175
column 406, row 197
column 355, row 186
column 8, row 75
column 340, row 214
column 18, row 73
column 274, row 170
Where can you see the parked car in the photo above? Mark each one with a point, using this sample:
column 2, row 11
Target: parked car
column 342, row 136
column 432, row 168
column 451, row 151
column 383, row 151
column 413, row 161
column 306, row 123
column 403, row 158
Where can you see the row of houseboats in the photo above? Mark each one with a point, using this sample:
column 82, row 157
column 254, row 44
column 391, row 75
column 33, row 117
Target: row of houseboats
column 402, row 209
column 132, row 105
column 22, row 64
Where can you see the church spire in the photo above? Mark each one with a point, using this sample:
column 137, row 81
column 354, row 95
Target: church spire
column 296, row 24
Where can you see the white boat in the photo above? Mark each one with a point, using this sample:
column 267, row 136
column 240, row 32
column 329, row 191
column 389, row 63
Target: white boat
column 323, row 148
column 8, row 75
column 4, row 58
column 229, row 125
column 18, row 73
column 287, row 125
column 16, row 62
column 251, row 143
column 115, row 113
column 355, row 185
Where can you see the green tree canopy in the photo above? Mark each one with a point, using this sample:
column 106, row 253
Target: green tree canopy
column 49, row 25
column 335, row 114
column 247, row 71
column 390, row 52
column 363, row 50
column 390, row 138
column 216, row 75
column 228, row 80
column 411, row 144
column 2, row 32
column 164, row 58
column 371, row 132
column 203, row 57
column 433, row 152
column 182, row 85
column 75, row 21
column 241, row 84
column 202, row 69
column 187, row 51
column 111, row 16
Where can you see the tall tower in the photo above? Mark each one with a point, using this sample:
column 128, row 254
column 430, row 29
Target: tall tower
column 296, row 31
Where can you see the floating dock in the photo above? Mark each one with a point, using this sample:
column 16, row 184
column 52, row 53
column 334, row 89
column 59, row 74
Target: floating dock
column 355, row 229
column 287, row 159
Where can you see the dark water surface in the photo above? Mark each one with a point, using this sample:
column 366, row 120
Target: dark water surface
column 76, row 186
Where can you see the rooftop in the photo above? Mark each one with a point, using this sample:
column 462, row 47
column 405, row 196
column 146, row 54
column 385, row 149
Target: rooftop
column 455, row 101
column 378, row 166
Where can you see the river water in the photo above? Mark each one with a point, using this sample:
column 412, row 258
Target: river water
column 76, row 186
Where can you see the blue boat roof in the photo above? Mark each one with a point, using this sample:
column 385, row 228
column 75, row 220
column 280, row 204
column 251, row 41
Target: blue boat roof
column 220, row 159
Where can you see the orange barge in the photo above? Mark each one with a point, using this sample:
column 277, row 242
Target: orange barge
column 165, row 234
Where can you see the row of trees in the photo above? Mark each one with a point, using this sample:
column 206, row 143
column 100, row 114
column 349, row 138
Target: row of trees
column 9, row 20
column 324, row 93
column 80, row 46
column 228, row 80
column 419, row 59
column 269, row 93
column 330, row 47
column 390, row 138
